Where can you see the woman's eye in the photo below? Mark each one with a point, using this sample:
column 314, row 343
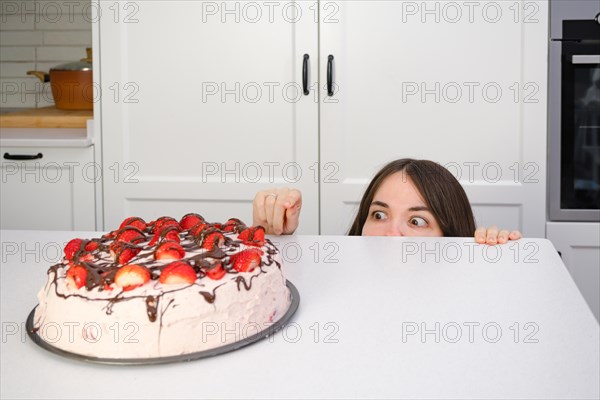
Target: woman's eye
column 418, row 221
column 378, row 215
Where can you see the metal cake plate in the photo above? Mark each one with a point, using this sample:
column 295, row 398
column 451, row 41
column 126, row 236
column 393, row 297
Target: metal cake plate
column 171, row 359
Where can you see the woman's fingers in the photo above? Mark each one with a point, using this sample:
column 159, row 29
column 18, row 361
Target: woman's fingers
column 259, row 216
column 486, row 235
column 503, row 236
column 270, row 199
column 493, row 235
column 287, row 211
column 277, row 210
column 294, row 198
column 293, row 205
column 515, row 235
column 279, row 203
column 480, row 235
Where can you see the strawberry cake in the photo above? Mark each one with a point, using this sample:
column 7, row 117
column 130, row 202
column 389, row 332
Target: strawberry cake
column 163, row 288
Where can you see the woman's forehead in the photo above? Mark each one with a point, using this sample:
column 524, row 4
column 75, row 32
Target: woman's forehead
column 398, row 188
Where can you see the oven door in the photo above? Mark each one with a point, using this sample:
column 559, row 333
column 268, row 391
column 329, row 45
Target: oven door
column 574, row 162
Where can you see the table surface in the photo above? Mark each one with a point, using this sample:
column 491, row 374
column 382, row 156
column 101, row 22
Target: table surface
column 379, row 317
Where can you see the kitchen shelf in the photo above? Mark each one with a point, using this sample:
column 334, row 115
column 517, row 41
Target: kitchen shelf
column 46, row 117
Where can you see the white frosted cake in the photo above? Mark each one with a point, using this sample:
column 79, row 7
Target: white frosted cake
column 163, row 288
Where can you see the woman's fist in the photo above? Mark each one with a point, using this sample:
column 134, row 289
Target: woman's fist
column 277, row 210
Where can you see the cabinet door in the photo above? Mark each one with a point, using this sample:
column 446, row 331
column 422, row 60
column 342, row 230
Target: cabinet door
column 460, row 83
column 202, row 106
column 52, row 191
column 579, row 247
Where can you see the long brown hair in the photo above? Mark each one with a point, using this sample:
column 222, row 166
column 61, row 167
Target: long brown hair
column 442, row 193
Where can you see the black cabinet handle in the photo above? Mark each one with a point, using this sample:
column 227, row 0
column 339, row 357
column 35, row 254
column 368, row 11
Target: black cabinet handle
column 305, row 75
column 330, row 75
column 8, row 156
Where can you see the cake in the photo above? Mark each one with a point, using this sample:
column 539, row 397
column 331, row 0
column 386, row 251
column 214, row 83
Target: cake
column 162, row 288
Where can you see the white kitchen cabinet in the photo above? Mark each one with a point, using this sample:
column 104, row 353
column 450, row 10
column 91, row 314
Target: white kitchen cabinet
column 579, row 246
column 201, row 107
column 460, row 83
column 48, row 188
column 200, row 104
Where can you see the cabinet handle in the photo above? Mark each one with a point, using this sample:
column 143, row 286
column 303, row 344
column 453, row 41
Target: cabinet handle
column 330, row 75
column 8, row 156
column 305, row 75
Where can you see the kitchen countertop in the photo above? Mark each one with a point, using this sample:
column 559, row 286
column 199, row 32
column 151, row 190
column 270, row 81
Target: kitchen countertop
column 379, row 317
column 46, row 117
column 47, row 127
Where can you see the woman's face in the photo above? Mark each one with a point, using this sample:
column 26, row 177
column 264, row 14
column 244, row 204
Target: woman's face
column 398, row 209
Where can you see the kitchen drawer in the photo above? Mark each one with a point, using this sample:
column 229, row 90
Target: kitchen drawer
column 48, row 188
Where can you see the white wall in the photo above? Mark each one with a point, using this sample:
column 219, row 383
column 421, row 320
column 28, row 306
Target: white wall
column 39, row 35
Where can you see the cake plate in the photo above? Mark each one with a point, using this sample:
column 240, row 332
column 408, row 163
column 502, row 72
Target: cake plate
column 171, row 359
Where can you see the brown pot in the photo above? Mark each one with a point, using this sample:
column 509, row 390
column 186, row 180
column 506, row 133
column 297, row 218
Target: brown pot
column 71, row 83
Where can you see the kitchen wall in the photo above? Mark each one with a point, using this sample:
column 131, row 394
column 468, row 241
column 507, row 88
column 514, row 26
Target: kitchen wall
column 38, row 35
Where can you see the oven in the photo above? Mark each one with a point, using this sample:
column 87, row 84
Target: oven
column 574, row 112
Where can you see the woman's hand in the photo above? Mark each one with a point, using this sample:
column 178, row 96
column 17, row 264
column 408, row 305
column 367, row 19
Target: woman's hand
column 491, row 235
column 277, row 210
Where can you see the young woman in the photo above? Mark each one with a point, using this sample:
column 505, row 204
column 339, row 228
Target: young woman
column 405, row 198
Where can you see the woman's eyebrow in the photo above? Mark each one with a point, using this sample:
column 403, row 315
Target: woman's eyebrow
column 419, row 208
column 379, row 203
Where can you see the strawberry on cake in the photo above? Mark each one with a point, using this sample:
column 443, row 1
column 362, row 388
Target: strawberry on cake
column 162, row 288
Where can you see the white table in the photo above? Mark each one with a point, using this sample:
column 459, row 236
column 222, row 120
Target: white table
column 378, row 318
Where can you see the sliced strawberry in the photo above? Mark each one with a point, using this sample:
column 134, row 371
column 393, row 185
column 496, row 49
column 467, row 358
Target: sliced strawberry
column 253, row 236
column 136, row 222
column 246, row 260
column 217, row 272
column 210, row 239
column 169, row 223
column 154, row 239
column 259, row 236
column 169, row 250
column 122, row 252
column 127, row 254
column 169, row 232
column 233, row 225
column 197, row 229
column 76, row 276
column 163, row 222
column 91, row 246
column 130, row 234
column 132, row 276
column 244, row 235
column 85, row 254
column 217, row 225
column 87, row 257
column 72, row 247
column 178, row 272
column 190, row 220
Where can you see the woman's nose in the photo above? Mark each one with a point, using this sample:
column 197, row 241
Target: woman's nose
column 393, row 230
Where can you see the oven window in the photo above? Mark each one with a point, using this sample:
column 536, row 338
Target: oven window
column 580, row 164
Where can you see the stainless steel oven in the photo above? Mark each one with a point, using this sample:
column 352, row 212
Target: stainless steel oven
column 574, row 111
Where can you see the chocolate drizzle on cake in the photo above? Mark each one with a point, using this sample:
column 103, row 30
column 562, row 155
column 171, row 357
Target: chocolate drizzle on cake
column 209, row 297
column 240, row 280
column 151, row 305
